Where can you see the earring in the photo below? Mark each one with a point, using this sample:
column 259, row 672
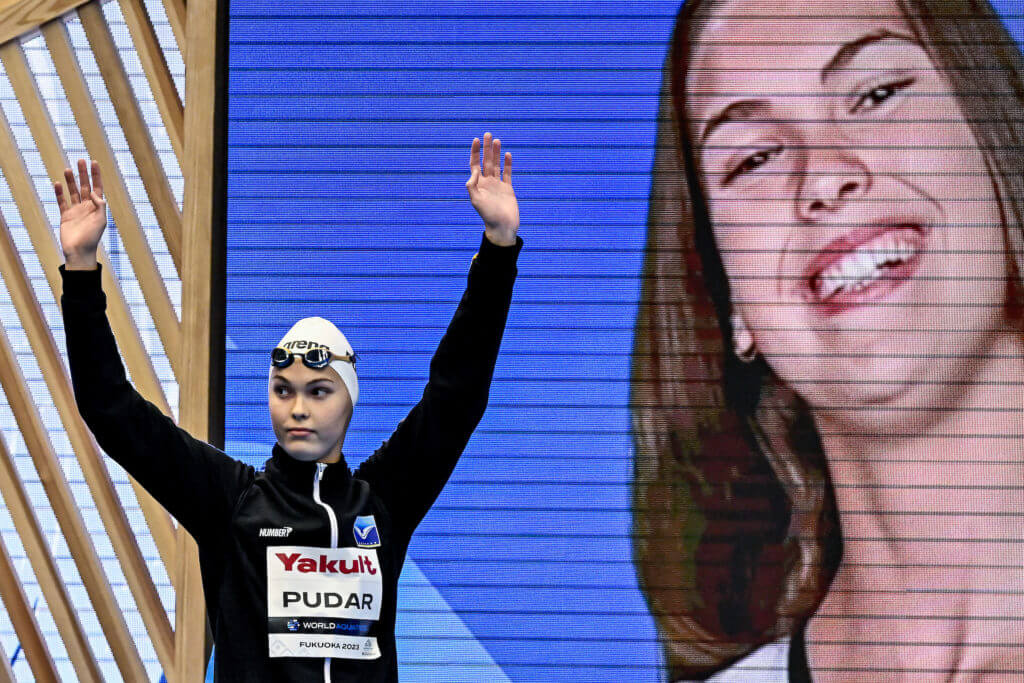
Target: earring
column 741, row 335
column 747, row 355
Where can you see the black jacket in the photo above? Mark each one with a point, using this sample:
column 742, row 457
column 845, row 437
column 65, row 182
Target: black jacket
column 296, row 522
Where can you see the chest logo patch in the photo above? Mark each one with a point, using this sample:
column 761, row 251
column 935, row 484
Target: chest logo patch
column 365, row 531
column 280, row 532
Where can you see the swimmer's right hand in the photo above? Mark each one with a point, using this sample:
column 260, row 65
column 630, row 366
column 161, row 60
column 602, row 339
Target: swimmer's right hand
column 83, row 216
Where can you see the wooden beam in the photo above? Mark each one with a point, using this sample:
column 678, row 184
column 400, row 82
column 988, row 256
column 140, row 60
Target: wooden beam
column 161, row 83
column 18, row 18
column 48, row 252
column 6, row 672
column 204, row 67
column 24, row 620
column 66, row 62
column 32, row 539
column 136, row 131
column 65, row 509
column 200, row 186
column 108, row 504
column 190, row 616
column 176, row 13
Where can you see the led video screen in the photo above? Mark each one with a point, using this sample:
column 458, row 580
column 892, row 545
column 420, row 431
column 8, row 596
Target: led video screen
column 760, row 387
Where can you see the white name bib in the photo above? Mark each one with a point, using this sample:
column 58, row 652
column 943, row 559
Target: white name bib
column 323, row 602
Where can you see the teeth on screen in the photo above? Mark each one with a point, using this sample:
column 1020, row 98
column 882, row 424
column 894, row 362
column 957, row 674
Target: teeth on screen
column 859, row 268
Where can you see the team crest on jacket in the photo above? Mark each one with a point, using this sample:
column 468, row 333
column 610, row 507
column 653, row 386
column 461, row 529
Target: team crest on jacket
column 365, row 531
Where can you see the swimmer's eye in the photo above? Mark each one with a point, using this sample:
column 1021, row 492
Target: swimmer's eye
column 320, row 392
column 878, row 95
column 752, row 163
column 281, row 390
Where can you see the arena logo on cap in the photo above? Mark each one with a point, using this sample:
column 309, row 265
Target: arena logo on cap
column 304, row 344
column 365, row 531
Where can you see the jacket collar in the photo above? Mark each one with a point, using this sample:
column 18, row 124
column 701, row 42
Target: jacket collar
column 299, row 473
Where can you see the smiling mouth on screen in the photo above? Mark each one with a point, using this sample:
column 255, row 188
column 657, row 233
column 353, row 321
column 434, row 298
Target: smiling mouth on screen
column 864, row 266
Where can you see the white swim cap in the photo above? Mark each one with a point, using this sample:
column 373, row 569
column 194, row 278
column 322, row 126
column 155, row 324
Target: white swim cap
column 312, row 333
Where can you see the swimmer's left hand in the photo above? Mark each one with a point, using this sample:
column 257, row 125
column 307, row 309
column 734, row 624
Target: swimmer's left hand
column 491, row 193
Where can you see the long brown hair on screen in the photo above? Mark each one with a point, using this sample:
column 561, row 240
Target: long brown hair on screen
column 736, row 535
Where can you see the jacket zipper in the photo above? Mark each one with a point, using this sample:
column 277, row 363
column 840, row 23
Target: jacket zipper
column 320, row 469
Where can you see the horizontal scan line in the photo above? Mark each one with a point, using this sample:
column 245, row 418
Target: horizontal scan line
column 860, row 15
column 632, row 509
column 559, row 17
column 509, row 666
column 904, row 643
column 582, row 145
column 885, row 304
column 364, row 223
column 868, row 591
column 513, row 562
column 582, row 483
column 581, row 69
column 706, row 539
column 573, row 173
column 797, row 278
column 600, row 277
column 935, row 461
column 496, row 43
column 433, row 199
column 624, row 406
column 932, row 487
column 528, row 638
column 603, row 382
column 953, row 252
column 474, row 17
column 585, row 303
column 629, row 432
column 907, row 669
column 442, row 43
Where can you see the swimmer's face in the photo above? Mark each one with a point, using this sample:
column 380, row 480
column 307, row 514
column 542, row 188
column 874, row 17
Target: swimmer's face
column 856, row 217
column 310, row 411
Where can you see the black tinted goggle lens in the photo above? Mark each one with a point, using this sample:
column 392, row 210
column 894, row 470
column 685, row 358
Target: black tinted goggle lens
column 314, row 358
column 280, row 358
column 317, row 358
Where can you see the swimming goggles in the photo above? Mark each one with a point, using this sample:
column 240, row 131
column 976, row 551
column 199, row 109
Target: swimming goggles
column 317, row 359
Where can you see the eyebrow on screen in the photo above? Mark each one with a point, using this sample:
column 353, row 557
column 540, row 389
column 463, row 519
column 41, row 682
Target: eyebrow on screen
column 737, row 111
column 746, row 109
column 846, row 54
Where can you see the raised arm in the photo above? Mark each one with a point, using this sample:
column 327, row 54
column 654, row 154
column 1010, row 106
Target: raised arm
column 197, row 483
column 409, row 470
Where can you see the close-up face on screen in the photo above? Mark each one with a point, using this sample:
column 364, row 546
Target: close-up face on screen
column 847, row 232
column 852, row 206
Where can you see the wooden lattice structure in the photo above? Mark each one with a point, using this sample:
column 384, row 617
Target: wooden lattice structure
column 192, row 127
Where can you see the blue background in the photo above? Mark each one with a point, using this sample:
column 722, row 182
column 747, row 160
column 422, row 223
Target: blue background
column 350, row 125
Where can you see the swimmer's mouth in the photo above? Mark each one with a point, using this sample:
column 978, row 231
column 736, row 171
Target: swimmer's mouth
column 864, row 265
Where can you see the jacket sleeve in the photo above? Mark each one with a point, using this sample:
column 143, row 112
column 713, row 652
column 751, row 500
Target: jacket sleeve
column 409, row 470
column 197, row 483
